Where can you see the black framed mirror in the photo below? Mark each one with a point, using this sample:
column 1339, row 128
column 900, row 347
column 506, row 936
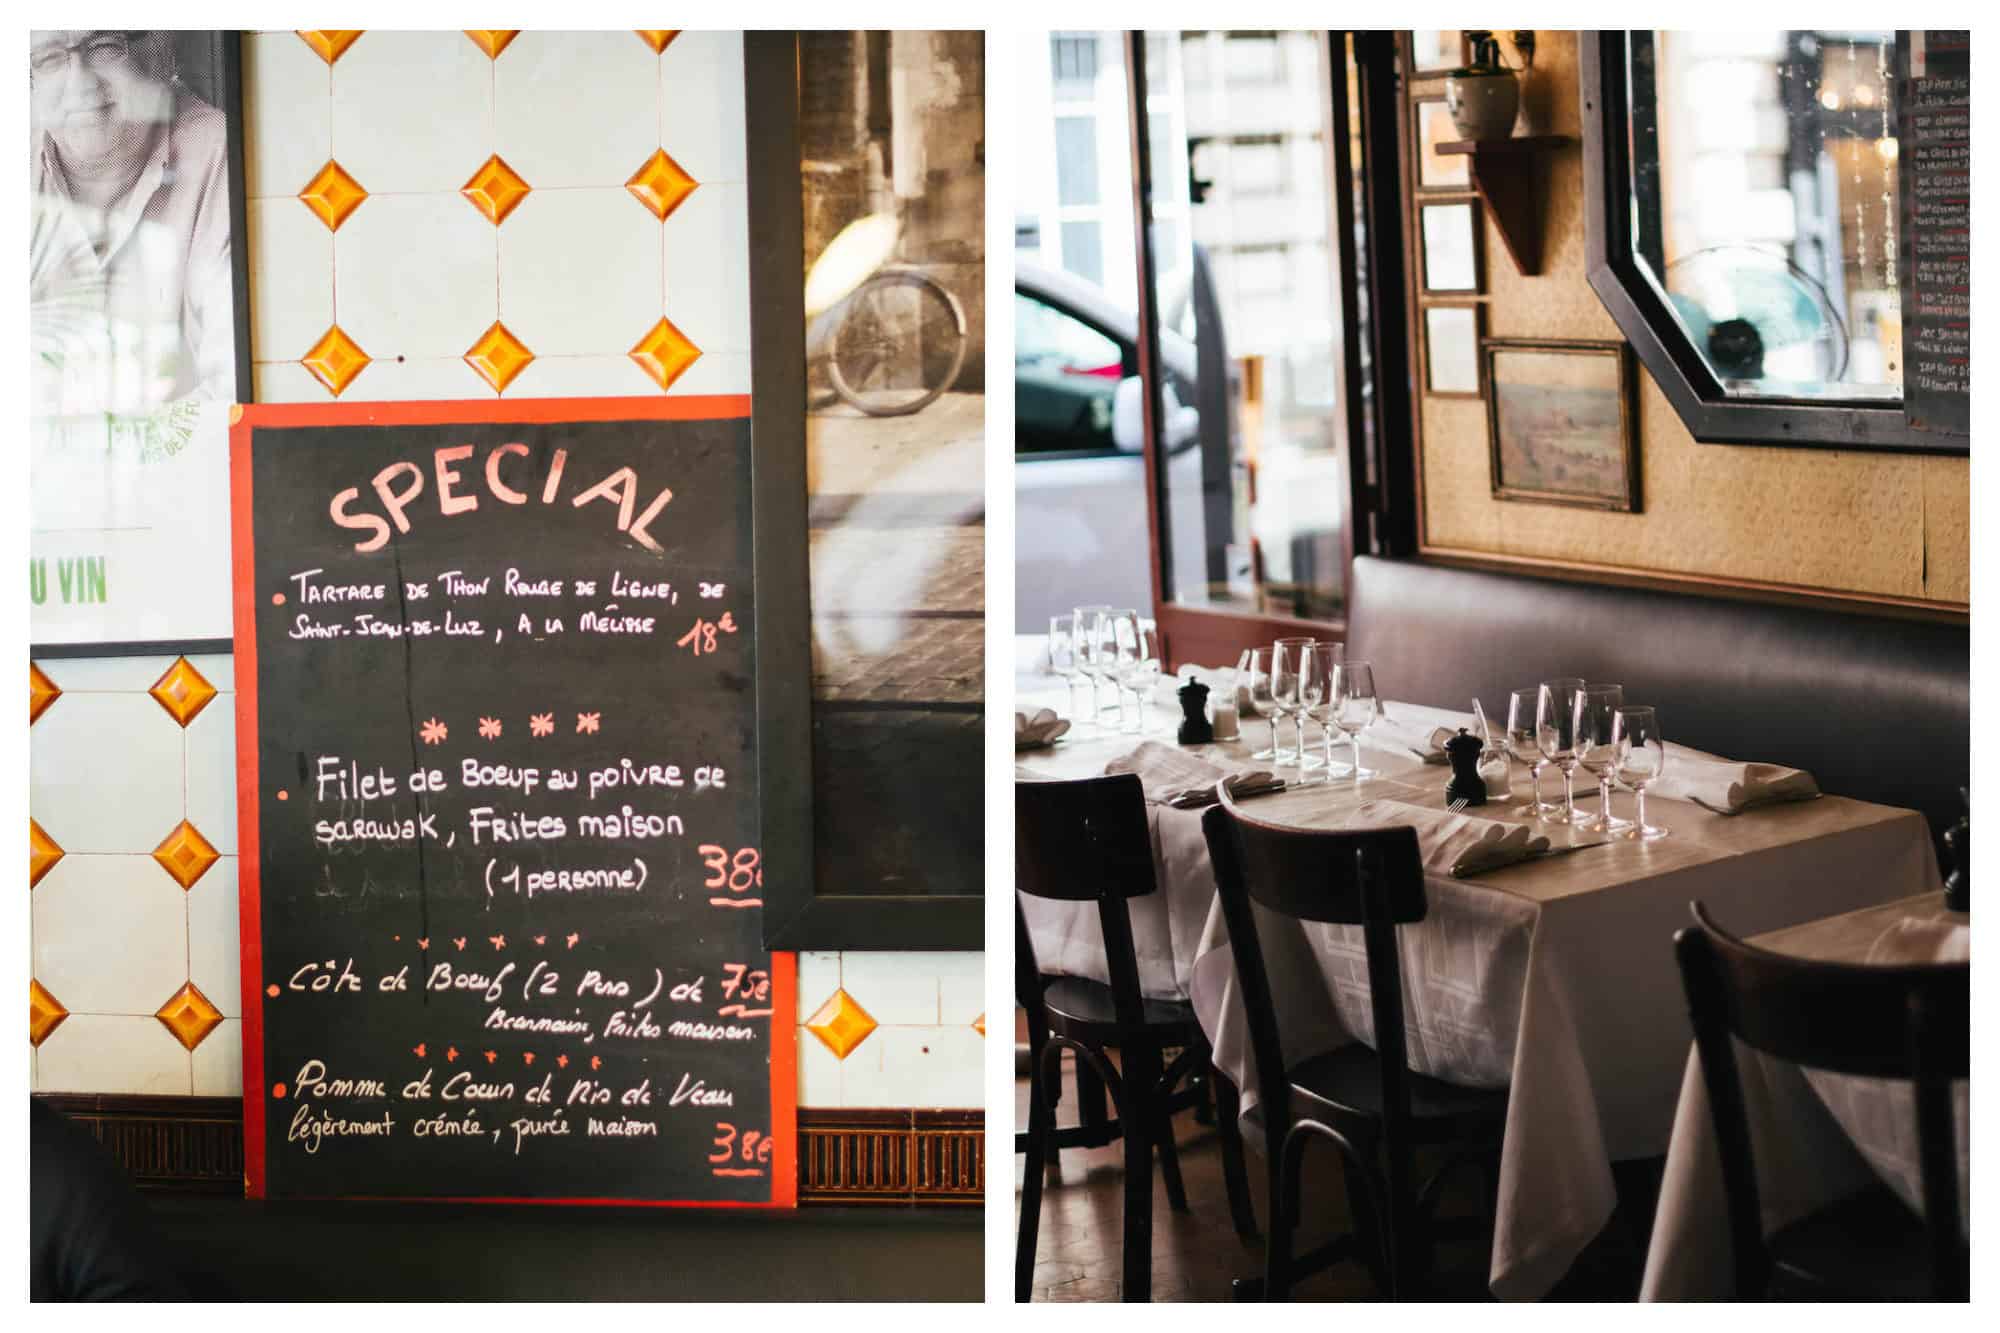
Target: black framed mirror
column 1741, row 214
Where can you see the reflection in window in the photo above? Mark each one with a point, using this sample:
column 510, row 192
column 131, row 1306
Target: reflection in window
column 1767, row 203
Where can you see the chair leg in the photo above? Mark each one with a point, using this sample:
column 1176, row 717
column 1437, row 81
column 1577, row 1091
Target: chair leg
column 1285, row 1189
column 1370, row 1220
column 1090, row 1108
column 1138, row 1264
column 1170, row 1158
column 1041, row 1118
column 1235, row 1179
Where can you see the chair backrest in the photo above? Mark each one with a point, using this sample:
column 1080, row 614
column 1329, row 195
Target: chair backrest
column 1898, row 1022
column 1373, row 878
column 1088, row 840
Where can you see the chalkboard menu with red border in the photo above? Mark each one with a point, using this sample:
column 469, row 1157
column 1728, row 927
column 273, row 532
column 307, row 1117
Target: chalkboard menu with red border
column 1934, row 174
column 498, row 748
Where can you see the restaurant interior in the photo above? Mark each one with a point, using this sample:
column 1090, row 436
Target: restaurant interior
column 558, row 245
column 1492, row 612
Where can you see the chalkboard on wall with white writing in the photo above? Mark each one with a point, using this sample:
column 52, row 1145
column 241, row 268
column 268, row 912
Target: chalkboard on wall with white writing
column 498, row 744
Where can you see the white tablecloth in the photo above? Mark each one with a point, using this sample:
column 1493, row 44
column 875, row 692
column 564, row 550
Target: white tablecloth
column 1555, row 978
column 1815, row 1137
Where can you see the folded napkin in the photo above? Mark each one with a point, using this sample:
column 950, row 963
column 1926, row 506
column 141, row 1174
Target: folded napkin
column 1727, row 787
column 1459, row 845
column 1242, row 786
column 1044, row 728
column 1166, row 771
column 1425, row 742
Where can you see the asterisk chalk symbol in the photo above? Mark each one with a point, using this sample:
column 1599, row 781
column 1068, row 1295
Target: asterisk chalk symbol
column 541, row 724
column 562, row 1062
column 573, row 938
column 451, row 1053
column 433, row 732
column 587, row 723
column 491, row 1056
column 489, row 727
column 498, row 941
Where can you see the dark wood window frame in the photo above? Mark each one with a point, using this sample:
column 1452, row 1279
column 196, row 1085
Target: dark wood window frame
column 798, row 912
column 1638, row 307
column 1382, row 504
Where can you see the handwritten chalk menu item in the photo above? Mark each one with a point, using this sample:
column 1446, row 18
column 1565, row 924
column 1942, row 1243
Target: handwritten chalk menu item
column 497, row 744
column 1934, row 161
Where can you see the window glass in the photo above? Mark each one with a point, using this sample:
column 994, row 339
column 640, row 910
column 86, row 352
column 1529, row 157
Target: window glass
column 1066, row 377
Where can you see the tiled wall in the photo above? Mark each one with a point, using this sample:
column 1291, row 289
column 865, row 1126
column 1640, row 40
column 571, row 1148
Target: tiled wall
column 431, row 215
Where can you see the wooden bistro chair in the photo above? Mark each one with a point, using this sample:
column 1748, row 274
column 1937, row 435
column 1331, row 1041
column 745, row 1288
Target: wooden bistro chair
column 1088, row 841
column 1893, row 1022
column 1367, row 1103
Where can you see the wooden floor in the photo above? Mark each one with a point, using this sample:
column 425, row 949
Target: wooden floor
column 1197, row 1254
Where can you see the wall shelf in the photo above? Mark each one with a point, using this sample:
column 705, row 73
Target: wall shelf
column 1511, row 176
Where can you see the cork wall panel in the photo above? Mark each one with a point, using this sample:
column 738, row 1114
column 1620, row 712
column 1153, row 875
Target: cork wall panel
column 1842, row 522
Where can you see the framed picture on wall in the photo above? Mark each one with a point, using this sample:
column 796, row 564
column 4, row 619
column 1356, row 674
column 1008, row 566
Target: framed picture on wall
column 1559, row 422
column 138, row 337
column 1436, row 52
column 1452, row 363
column 1449, row 234
column 1430, row 125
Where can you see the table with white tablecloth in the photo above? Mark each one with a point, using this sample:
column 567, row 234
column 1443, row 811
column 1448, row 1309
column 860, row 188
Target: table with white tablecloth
column 1554, row 978
column 1816, row 1137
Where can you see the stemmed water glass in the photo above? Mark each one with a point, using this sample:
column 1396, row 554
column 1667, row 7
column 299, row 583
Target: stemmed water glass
column 1088, row 637
column 1354, row 707
column 1322, row 664
column 1555, row 735
column 1120, row 651
column 1062, row 656
column 1525, row 747
column 1142, row 672
column 1257, row 679
column 1596, row 709
column 1287, row 658
column 1642, row 757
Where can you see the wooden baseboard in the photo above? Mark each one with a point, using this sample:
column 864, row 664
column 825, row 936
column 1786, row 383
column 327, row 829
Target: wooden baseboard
column 194, row 1145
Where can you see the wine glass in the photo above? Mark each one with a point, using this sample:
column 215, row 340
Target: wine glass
column 1087, row 640
column 1257, row 677
column 1142, row 673
column 1322, row 662
column 1642, row 757
column 1524, row 747
column 1596, row 711
column 1555, row 735
column 1354, row 707
column 1287, row 657
column 1121, row 650
column 1062, row 655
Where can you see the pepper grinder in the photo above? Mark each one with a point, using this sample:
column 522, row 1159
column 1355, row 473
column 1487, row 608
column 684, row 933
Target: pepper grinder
column 1958, row 841
column 1463, row 750
column 1195, row 729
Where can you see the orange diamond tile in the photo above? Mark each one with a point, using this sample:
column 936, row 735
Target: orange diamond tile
column 664, row 353
column 661, row 184
column 492, row 40
column 186, row 855
column 183, row 691
column 42, row 853
column 335, row 360
column 45, row 1013
column 332, row 195
column 41, row 693
column 495, row 189
column 657, row 38
column 498, row 356
column 189, row 1016
column 329, row 43
column 979, row 1025
column 841, row 1024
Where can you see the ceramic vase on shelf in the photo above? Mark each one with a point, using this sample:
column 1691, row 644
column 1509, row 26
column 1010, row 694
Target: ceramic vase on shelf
column 1483, row 96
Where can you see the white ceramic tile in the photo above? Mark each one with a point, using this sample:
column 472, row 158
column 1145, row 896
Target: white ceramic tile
column 819, row 1071
column 892, row 987
column 414, row 274
column 291, row 277
column 583, row 377
column 211, row 773
column 110, row 934
column 580, row 272
column 290, row 382
column 429, row 379
column 74, row 674
column 576, row 108
column 287, row 108
column 215, row 945
column 917, row 1067
column 218, row 1061
column 707, row 246
column 105, row 773
column 701, row 105
column 412, row 111
column 818, row 978
column 113, row 1053
column 218, row 669
column 719, row 372
column 961, row 987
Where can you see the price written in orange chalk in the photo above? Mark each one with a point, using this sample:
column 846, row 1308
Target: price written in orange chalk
column 738, row 873
column 700, row 637
column 735, row 1155
column 745, row 987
